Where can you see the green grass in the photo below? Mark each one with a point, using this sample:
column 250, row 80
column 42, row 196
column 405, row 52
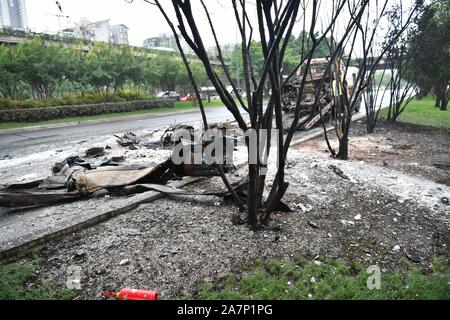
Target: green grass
column 333, row 279
column 423, row 112
column 179, row 106
column 13, row 284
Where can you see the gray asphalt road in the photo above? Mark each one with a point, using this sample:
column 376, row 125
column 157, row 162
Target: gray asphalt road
column 19, row 142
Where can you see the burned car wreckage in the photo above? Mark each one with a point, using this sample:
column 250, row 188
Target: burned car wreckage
column 80, row 177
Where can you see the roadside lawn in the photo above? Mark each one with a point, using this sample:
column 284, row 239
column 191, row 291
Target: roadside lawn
column 329, row 279
column 15, row 283
column 179, row 106
column 423, row 112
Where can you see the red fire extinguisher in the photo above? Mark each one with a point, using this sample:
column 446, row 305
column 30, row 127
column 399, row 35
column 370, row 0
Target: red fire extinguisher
column 132, row 294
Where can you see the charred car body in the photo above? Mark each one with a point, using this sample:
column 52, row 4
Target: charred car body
column 326, row 83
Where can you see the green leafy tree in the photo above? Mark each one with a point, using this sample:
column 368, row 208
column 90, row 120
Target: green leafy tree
column 42, row 67
column 429, row 49
column 11, row 85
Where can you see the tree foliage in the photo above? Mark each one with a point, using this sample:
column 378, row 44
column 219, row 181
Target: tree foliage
column 429, row 49
column 40, row 70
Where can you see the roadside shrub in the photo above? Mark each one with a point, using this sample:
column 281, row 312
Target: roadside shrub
column 50, row 113
column 71, row 101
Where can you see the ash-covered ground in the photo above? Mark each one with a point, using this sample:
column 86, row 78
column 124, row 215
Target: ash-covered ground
column 382, row 212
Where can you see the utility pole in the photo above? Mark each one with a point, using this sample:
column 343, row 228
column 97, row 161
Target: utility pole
column 59, row 16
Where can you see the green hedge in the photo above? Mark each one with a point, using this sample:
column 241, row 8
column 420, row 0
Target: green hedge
column 7, row 104
column 50, row 113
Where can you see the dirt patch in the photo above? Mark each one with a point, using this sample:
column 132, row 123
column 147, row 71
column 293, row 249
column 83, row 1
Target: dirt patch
column 413, row 149
column 378, row 215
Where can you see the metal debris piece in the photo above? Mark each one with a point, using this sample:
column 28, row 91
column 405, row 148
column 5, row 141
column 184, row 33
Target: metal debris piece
column 412, row 255
column 313, row 225
column 95, row 152
column 112, row 162
column 339, row 172
column 88, row 181
column 14, row 199
column 402, row 146
column 441, row 166
column 127, row 140
column 70, row 161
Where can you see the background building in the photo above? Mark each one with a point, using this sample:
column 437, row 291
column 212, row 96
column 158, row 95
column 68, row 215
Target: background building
column 98, row 31
column 161, row 41
column 13, row 14
column 119, row 34
column 167, row 42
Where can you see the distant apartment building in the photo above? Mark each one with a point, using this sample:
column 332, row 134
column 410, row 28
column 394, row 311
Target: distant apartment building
column 119, row 34
column 165, row 42
column 162, row 41
column 13, row 14
column 99, row 31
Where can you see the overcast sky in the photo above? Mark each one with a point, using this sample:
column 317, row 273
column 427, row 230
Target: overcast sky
column 143, row 19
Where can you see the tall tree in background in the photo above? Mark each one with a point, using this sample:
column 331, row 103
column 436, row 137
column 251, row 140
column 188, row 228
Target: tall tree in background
column 429, row 49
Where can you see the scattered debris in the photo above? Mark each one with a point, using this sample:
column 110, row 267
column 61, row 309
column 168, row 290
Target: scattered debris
column 305, row 208
column 124, row 262
column 313, row 165
column 17, row 198
column 396, row 248
column 70, row 161
column 412, row 255
column 339, row 172
column 95, row 152
column 445, row 167
column 127, row 140
column 75, row 177
column 111, row 162
column 347, row 222
column 313, row 225
column 236, row 219
column 402, row 146
column 357, row 217
column 390, row 153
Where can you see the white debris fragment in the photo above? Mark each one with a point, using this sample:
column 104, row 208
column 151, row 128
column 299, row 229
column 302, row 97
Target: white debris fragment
column 304, row 208
column 313, row 165
column 124, row 262
column 347, row 222
column 396, row 248
column 357, row 217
